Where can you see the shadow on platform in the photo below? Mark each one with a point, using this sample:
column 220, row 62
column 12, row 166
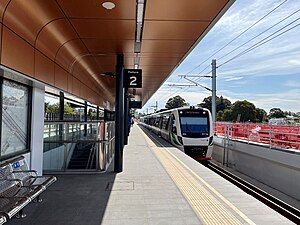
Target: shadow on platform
column 71, row 200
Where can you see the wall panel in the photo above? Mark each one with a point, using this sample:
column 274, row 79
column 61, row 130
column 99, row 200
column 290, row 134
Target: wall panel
column 61, row 78
column 70, row 83
column 76, row 89
column 44, row 68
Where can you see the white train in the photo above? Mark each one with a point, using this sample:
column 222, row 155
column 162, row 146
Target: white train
column 189, row 129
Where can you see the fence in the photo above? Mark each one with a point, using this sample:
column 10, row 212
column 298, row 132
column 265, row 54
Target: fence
column 275, row 136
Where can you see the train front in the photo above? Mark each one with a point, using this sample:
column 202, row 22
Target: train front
column 196, row 132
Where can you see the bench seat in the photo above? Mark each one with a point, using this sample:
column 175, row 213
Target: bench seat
column 19, row 186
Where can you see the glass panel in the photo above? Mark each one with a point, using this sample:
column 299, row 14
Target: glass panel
column 14, row 118
column 194, row 126
column 51, row 107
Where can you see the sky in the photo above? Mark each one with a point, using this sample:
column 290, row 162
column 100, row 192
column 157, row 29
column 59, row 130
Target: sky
column 268, row 76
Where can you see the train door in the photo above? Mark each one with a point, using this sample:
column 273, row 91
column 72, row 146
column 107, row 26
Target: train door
column 173, row 131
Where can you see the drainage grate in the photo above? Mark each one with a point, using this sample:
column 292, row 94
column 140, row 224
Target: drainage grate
column 120, row 186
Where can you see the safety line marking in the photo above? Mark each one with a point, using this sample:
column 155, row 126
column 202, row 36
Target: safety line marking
column 205, row 205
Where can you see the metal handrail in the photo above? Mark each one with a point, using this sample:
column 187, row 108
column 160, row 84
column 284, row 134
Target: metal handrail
column 100, row 134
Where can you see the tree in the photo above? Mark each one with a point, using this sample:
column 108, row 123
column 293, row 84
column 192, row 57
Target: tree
column 54, row 108
column 175, row 102
column 245, row 109
column 221, row 103
column 276, row 113
column 227, row 115
column 261, row 115
column 68, row 109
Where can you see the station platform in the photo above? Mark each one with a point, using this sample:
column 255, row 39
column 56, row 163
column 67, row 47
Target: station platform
column 159, row 185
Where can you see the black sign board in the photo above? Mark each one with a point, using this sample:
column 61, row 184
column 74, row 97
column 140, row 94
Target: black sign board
column 133, row 78
column 135, row 104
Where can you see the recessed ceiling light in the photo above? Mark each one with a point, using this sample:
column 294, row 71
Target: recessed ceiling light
column 108, row 5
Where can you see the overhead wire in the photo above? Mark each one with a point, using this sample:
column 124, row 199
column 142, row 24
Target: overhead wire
column 263, row 41
column 259, row 34
column 216, row 52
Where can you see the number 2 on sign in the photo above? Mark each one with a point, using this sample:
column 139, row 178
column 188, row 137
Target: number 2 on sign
column 133, row 81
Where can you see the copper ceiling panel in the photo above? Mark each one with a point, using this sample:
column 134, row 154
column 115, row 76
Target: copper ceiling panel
column 105, row 29
column 166, row 46
column 69, row 53
column 204, row 10
column 3, row 4
column 84, row 38
column 28, row 17
column 53, row 36
column 159, row 61
column 93, row 9
column 109, row 47
column 173, row 30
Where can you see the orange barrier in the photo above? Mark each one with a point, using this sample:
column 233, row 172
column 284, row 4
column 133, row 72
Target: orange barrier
column 282, row 136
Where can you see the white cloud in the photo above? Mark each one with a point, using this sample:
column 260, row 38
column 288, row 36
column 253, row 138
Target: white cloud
column 291, row 83
column 294, row 62
column 233, row 78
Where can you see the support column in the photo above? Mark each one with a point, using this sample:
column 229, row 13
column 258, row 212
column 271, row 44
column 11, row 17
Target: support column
column 119, row 116
column 126, row 117
column 98, row 113
column 85, row 112
column 61, row 106
column 214, row 90
column 61, row 114
column 37, row 129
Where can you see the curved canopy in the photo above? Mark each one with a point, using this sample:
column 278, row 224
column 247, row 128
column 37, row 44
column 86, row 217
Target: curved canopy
column 72, row 44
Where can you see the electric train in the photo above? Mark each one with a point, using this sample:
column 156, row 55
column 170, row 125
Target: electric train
column 189, row 129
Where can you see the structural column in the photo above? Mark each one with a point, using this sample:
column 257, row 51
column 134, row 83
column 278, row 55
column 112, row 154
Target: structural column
column 119, row 116
column 126, row 117
column 214, row 90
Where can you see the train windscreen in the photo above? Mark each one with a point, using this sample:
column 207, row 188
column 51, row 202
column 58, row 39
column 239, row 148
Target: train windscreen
column 194, row 124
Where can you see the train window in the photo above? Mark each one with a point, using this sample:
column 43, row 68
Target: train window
column 194, row 126
column 165, row 122
column 174, row 130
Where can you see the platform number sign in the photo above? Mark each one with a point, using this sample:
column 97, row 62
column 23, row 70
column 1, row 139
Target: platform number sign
column 133, row 78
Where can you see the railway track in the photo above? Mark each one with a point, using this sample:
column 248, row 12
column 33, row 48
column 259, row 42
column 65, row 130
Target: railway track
column 281, row 207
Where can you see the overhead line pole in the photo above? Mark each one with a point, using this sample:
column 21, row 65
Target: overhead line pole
column 214, row 90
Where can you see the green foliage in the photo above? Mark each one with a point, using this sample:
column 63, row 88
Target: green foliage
column 54, row 108
column 227, row 115
column 245, row 109
column 261, row 115
column 175, row 102
column 242, row 111
column 68, row 109
column 276, row 113
column 221, row 103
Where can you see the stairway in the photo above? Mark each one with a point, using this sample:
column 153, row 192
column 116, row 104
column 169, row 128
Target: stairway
column 80, row 157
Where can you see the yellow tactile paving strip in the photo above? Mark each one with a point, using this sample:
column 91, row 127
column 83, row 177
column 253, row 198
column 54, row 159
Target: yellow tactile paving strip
column 208, row 208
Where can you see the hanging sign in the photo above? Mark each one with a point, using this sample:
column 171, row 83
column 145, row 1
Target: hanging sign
column 135, row 104
column 133, row 78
